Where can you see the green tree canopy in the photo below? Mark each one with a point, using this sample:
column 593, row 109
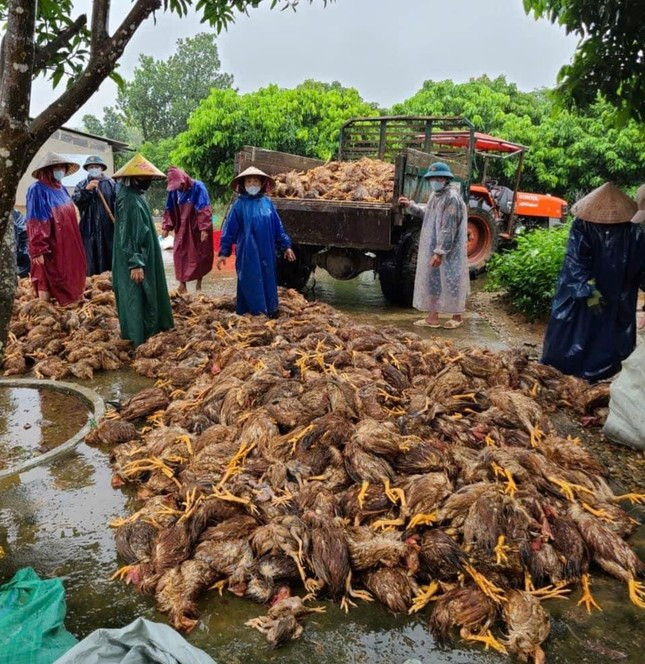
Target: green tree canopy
column 569, row 151
column 163, row 93
column 111, row 126
column 610, row 58
column 305, row 120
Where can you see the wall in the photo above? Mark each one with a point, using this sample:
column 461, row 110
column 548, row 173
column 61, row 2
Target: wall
column 66, row 142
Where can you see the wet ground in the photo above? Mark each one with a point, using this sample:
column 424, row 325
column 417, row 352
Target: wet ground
column 31, row 424
column 54, row 518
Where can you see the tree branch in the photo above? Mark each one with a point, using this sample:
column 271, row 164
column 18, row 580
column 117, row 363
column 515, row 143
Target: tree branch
column 102, row 63
column 100, row 24
column 45, row 54
column 18, row 63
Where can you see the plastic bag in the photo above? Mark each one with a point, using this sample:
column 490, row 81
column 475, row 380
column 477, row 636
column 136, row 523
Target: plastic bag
column 32, row 612
column 141, row 642
column 626, row 421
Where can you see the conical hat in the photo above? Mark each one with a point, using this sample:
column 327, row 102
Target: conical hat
column 605, row 205
column 251, row 170
column 639, row 217
column 55, row 159
column 139, row 167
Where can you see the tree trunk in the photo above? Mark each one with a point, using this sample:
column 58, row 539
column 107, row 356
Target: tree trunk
column 7, row 284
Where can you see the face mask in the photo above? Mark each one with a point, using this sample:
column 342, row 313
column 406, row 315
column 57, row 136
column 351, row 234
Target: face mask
column 253, row 191
column 437, row 185
column 142, row 185
column 94, row 172
column 59, row 174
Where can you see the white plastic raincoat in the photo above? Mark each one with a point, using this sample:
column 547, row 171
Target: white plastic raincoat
column 444, row 232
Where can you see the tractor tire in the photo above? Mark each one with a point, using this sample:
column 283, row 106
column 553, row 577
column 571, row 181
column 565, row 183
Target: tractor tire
column 483, row 239
column 398, row 270
column 294, row 275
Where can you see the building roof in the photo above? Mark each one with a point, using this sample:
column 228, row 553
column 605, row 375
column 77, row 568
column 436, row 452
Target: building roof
column 118, row 145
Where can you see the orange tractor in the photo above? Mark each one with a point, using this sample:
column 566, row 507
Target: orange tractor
column 496, row 212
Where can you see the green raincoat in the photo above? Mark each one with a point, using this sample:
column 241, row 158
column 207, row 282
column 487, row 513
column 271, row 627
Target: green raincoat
column 144, row 309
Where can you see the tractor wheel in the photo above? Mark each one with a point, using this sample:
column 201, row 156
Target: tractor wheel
column 483, row 238
column 294, row 275
column 398, row 270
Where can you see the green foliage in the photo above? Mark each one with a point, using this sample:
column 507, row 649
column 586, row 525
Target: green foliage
column 569, row 152
column 609, row 59
column 305, row 120
column 529, row 272
column 163, row 93
column 111, row 126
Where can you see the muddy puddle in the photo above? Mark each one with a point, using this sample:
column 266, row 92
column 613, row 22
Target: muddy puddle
column 31, row 422
column 55, row 518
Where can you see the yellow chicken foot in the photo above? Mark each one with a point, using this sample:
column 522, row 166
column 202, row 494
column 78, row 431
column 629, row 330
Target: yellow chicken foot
column 636, row 592
column 185, row 439
column 346, row 603
column 470, row 396
column 486, row 637
column 356, row 594
column 387, row 524
column 422, row 519
column 294, row 440
column 501, row 549
column 362, row 493
column 313, row 587
column 163, row 383
column 528, row 583
column 395, row 495
column 219, row 586
column 634, row 498
column 536, row 436
column 281, row 501
column 489, row 441
column 600, row 513
column 587, row 598
column 223, row 494
column 487, row 587
column 534, row 390
column 122, row 572
column 423, row 597
column 177, row 394
column 568, row 488
column 511, row 487
column 556, row 591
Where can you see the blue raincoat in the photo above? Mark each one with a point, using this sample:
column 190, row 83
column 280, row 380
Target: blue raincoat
column 580, row 340
column 23, row 262
column 254, row 226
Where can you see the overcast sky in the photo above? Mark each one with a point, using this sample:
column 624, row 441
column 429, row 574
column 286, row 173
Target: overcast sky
column 384, row 48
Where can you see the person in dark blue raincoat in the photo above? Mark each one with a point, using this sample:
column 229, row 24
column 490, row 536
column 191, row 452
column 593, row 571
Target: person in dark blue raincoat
column 592, row 328
column 95, row 198
column 253, row 225
column 23, row 262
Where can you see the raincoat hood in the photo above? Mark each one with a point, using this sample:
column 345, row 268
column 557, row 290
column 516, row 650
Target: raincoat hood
column 178, row 179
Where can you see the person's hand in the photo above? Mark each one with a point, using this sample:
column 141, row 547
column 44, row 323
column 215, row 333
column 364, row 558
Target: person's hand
column 38, row 260
column 136, row 274
column 289, row 255
column 595, row 301
column 92, row 184
column 436, row 261
column 221, row 262
column 204, row 236
column 404, row 201
column 165, row 233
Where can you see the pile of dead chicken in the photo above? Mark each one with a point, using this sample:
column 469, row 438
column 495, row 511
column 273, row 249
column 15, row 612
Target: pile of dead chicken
column 367, row 180
column 59, row 342
column 313, row 454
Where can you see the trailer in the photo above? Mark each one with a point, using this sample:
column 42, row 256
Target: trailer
column 346, row 238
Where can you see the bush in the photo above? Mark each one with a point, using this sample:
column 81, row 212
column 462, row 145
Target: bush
column 529, row 272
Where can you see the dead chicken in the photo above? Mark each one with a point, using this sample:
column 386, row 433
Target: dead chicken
column 392, row 586
column 528, row 625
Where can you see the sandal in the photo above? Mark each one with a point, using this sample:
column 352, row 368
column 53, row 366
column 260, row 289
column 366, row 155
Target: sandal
column 452, row 324
column 424, row 323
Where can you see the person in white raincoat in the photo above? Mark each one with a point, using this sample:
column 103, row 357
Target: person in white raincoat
column 442, row 281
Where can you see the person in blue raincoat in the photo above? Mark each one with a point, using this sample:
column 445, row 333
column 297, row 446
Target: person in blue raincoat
column 592, row 328
column 23, row 262
column 253, row 225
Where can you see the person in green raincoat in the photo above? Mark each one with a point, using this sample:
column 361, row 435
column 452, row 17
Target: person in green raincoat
column 138, row 277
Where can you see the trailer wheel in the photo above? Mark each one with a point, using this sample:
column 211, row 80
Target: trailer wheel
column 398, row 270
column 294, row 275
column 483, row 238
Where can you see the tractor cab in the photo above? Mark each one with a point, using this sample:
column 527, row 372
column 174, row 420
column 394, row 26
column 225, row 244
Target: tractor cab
column 496, row 212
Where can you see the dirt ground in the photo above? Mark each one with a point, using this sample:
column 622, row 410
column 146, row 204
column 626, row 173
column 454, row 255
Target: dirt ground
column 625, row 466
